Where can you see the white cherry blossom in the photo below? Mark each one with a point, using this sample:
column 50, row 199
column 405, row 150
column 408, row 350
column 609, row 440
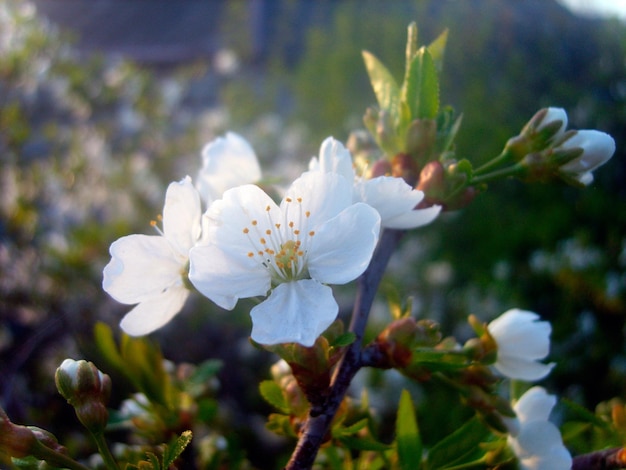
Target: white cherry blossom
column 522, row 341
column 317, row 236
column 150, row 270
column 227, row 162
column 392, row 197
column 537, row 442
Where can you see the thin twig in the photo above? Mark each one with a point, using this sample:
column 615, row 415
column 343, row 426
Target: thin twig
column 318, row 423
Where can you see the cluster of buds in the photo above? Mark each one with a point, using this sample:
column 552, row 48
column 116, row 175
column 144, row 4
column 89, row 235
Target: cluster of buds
column 546, row 150
column 87, row 390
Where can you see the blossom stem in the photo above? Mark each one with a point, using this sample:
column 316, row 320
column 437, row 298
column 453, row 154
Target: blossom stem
column 496, row 175
column 320, row 417
column 57, row 459
column 503, row 157
column 104, row 451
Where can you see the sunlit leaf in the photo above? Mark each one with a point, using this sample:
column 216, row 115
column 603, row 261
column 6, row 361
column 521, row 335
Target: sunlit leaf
column 272, row 393
column 384, row 85
column 437, row 49
column 175, row 448
column 409, row 443
column 420, row 91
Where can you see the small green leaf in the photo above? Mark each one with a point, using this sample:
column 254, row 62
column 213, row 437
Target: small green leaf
column 272, row 394
column 384, row 85
column 280, row 424
column 585, row 415
column 341, row 431
column 175, row 448
column 358, row 443
column 437, row 49
column 103, row 336
column 345, row 339
column 151, row 464
column 457, row 446
column 420, row 90
column 411, row 45
column 408, row 438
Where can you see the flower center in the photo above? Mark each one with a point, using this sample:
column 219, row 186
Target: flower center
column 282, row 247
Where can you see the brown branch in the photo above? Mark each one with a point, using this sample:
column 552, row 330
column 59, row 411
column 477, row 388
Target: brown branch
column 317, row 425
column 609, row 459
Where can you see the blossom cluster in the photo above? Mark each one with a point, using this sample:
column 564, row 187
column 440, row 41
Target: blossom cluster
column 244, row 244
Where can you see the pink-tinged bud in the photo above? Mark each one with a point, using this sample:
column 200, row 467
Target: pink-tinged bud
column 397, row 340
column 432, row 183
column 380, row 168
column 435, row 181
column 15, row 441
column 404, row 166
column 87, row 390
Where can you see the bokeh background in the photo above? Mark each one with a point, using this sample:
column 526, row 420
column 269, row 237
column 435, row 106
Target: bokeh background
column 104, row 102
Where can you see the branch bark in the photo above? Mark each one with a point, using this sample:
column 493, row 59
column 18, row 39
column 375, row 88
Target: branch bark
column 317, row 425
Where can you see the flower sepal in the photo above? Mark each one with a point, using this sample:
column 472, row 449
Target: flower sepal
column 312, row 366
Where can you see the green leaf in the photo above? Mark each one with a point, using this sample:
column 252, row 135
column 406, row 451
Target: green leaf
column 341, row 431
column 437, row 49
column 384, row 85
column 152, row 463
column 144, row 364
column 273, row 394
column 359, row 443
column 175, row 448
column 105, row 342
column 457, row 446
column 585, row 415
column 408, row 439
column 345, row 339
column 280, row 424
column 411, row 46
column 420, row 90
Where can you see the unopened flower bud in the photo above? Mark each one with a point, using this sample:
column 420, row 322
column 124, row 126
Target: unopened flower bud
column 550, row 123
column 87, row 390
column 397, row 340
column 432, row 182
column 15, row 441
column 404, row 166
column 594, row 148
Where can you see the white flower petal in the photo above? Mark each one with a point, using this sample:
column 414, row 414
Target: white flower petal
column 333, row 158
column 236, row 211
column 521, row 340
column 598, row 147
column 141, row 266
column 295, row 312
column 534, row 404
column 343, row 247
column 225, row 278
column 227, row 162
column 555, row 114
column 413, row 219
column 324, row 195
column 522, row 369
column 152, row 314
column 539, row 446
column 181, row 215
